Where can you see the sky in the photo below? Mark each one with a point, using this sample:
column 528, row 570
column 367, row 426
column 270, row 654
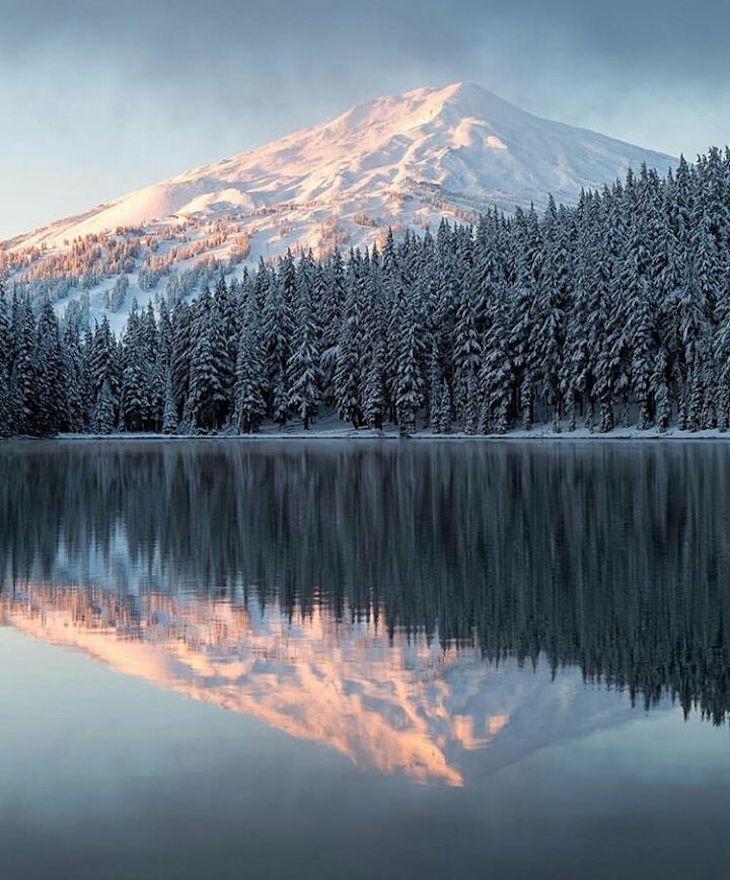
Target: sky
column 99, row 98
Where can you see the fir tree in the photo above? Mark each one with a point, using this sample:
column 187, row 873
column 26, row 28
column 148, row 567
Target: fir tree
column 75, row 417
column 169, row 415
column 180, row 349
column 5, row 422
column 276, row 332
column 48, row 401
column 408, row 388
column 5, row 352
column 443, row 416
column 207, row 402
column 304, row 376
column 104, row 419
column 347, row 378
column 22, row 374
column 249, row 403
column 374, row 391
column 661, row 392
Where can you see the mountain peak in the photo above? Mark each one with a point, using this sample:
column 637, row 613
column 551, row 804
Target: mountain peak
column 461, row 90
column 399, row 160
column 458, row 90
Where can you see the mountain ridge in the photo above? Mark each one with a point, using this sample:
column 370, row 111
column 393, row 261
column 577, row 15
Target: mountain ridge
column 396, row 161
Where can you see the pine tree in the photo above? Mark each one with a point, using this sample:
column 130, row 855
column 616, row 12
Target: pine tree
column 5, row 354
column 104, row 418
column 75, row 417
column 169, row 415
column 642, row 331
column 249, row 402
column 347, row 378
column 22, row 390
column 435, row 376
column 443, row 419
column 303, row 370
column 547, row 336
column 495, row 373
column 207, row 402
column 408, row 389
column 136, row 367
column 102, row 366
column 374, row 392
column 48, row 401
column 329, row 301
column 472, row 405
column 180, row 350
column 661, row 392
column 467, row 348
column 5, row 425
column 276, row 333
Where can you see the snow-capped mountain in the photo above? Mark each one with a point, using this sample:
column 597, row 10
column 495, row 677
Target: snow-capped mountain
column 395, row 161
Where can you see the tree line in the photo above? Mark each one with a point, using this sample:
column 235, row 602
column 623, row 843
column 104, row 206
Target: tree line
column 614, row 311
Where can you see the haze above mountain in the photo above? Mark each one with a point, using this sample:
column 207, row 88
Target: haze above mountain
column 395, row 161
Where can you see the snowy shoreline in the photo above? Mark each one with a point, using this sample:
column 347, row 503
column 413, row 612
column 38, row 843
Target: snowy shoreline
column 543, row 433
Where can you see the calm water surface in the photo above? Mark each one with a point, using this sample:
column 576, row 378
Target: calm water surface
column 332, row 660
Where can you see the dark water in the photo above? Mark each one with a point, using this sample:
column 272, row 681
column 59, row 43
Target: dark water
column 336, row 660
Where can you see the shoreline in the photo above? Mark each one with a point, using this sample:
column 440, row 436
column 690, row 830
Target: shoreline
column 364, row 434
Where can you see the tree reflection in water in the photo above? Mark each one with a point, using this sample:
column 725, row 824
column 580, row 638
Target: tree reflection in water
column 363, row 594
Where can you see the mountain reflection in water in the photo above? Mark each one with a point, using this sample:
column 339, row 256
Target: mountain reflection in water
column 381, row 599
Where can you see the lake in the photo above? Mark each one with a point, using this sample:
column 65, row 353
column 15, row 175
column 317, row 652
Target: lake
column 331, row 659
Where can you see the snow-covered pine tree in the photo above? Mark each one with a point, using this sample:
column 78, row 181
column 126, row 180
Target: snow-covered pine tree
column 169, row 413
column 5, row 429
column 660, row 385
column 75, row 418
column 642, row 330
column 155, row 357
column 374, row 406
column 5, row 352
column 495, row 372
column 207, row 400
column 180, row 351
column 435, row 376
column 134, row 400
column 443, row 416
column 373, row 347
column 104, row 415
column 547, row 335
column 22, row 386
column 276, row 332
column 409, row 381
column 303, row 370
column 249, row 391
column 347, row 378
column 472, row 404
column 467, row 347
column 6, row 339
column 329, row 299
column 48, row 402
column 226, row 297
column 103, row 364
column 224, row 339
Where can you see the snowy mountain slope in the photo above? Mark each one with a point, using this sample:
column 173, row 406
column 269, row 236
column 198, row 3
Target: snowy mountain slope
column 403, row 160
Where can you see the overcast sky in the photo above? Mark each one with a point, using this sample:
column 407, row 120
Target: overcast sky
column 100, row 98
